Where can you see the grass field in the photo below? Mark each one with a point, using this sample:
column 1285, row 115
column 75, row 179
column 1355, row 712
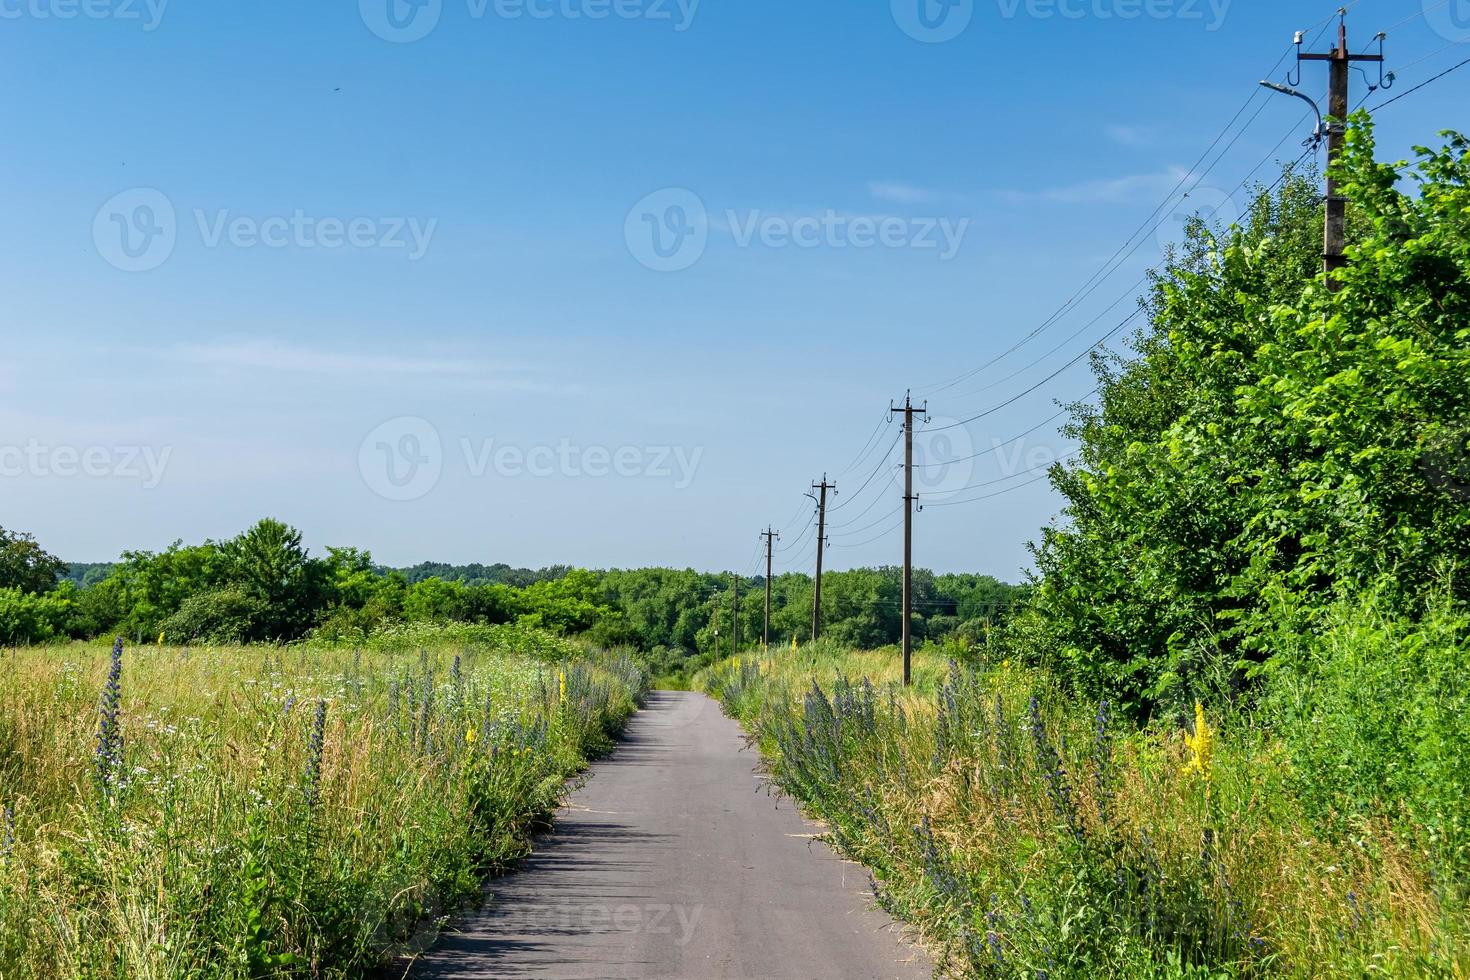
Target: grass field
column 1024, row 834
column 245, row 812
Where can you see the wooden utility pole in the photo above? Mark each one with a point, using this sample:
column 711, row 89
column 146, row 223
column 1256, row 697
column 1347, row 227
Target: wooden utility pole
column 717, row 623
column 770, row 536
column 909, row 497
column 734, row 614
column 822, row 488
column 1339, row 60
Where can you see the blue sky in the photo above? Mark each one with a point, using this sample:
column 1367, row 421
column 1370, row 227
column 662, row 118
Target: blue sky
column 404, row 291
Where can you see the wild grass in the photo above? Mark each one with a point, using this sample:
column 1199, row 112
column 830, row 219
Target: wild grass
column 1022, row 834
column 245, row 812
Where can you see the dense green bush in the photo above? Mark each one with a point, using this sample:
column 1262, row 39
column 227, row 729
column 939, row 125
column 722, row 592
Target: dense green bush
column 28, row 618
column 1271, row 435
column 1375, row 710
column 226, row 615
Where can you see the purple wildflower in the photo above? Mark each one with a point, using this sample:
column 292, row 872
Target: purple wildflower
column 109, row 751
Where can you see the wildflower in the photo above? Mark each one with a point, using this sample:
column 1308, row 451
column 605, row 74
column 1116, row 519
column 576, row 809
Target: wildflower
column 561, row 685
column 314, row 753
column 1201, row 744
column 160, row 637
column 108, row 754
column 469, row 736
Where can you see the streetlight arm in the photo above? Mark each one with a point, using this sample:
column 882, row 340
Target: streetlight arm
column 1287, row 90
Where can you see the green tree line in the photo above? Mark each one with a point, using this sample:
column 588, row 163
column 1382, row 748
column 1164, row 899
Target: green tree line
column 263, row 585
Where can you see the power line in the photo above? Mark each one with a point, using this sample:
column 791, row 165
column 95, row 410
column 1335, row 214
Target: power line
column 1004, row 479
column 1012, row 400
column 867, row 448
column 868, row 527
column 1427, row 81
column 1109, row 267
column 876, row 470
column 1002, row 445
column 987, row 496
column 883, row 534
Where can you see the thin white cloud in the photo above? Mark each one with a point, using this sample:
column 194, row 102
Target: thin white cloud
column 1115, row 190
column 283, row 358
column 899, row 193
column 1132, row 136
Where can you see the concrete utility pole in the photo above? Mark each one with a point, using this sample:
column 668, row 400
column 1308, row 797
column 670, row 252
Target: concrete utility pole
column 770, row 536
column 909, row 497
column 1339, row 60
column 822, row 488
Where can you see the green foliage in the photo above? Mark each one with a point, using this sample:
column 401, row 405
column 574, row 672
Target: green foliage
column 25, row 566
column 280, row 815
column 1025, row 833
column 224, row 615
column 1272, row 435
column 1375, row 711
column 27, row 618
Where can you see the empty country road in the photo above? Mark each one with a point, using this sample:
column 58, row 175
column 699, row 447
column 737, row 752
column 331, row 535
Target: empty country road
column 674, row 861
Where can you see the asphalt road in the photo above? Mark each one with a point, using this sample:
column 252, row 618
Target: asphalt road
column 673, row 860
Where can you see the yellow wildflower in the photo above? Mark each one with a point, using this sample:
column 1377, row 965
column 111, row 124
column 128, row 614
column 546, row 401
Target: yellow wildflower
column 793, row 644
column 160, row 639
column 561, row 684
column 469, row 736
column 1201, row 744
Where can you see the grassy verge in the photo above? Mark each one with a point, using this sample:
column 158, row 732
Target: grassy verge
column 1025, row 835
column 248, row 812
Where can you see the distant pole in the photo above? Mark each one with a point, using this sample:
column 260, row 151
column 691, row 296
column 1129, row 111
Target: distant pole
column 734, row 614
column 908, row 411
column 1339, row 59
column 769, row 535
column 822, row 488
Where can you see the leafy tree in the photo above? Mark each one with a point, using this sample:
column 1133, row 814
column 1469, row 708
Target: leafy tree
column 269, row 564
column 1273, row 439
column 25, row 565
